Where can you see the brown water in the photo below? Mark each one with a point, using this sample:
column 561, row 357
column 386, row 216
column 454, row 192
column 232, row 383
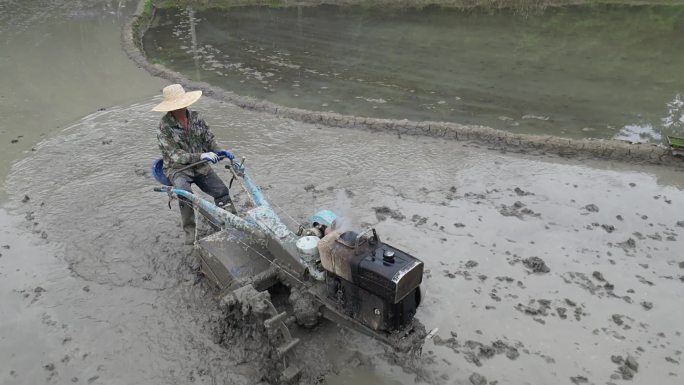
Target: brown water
column 597, row 72
column 96, row 287
column 61, row 60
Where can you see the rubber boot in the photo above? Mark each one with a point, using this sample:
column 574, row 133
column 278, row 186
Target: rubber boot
column 188, row 222
column 228, row 206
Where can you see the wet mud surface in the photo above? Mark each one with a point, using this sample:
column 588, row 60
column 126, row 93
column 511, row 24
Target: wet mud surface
column 103, row 288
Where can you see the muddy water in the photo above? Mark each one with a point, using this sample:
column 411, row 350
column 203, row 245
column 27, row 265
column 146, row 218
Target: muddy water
column 61, row 60
column 579, row 72
column 454, row 205
column 95, row 286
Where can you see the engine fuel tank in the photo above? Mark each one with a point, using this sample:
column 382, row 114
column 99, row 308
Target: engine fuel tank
column 377, row 267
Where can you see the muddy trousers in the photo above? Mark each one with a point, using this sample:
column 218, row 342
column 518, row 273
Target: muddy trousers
column 210, row 184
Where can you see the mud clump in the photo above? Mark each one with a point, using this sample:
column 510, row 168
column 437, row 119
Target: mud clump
column 536, row 264
column 582, row 280
column 579, row 380
column 671, row 360
column 541, row 310
column 520, row 192
column 647, row 305
column 475, row 351
column 38, row 291
column 617, row 318
column 478, row 379
column 625, row 373
column 592, row 208
column 312, row 189
column 240, row 329
column 384, row 212
column 511, row 352
column 645, row 281
column 304, row 309
column 517, row 210
column 418, row 220
column 562, row 312
column 632, row 363
column 629, row 244
column 471, row 264
column 410, row 341
column 405, row 348
column 627, row 367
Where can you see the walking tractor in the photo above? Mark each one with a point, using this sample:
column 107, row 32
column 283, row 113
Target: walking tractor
column 351, row 278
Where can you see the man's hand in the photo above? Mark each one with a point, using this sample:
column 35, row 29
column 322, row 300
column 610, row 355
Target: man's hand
column 210, row 157
column 225, row 153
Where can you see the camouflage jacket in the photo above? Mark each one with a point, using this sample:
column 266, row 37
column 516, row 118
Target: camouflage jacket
column 181, row 147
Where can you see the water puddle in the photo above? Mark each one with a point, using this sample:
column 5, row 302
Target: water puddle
column 578, row 72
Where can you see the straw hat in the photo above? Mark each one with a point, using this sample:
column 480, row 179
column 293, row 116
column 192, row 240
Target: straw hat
column 176, row 98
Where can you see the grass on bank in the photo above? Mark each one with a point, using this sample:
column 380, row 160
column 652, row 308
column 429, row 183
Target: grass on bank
column 521, row 5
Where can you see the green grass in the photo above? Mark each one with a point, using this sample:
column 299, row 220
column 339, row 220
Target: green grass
column 464, row 4
column 147, row 8
column 676, row 142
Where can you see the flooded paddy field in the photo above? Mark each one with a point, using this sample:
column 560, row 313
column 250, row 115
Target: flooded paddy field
column 61, row 61
column 539, row 269
column 588, row 71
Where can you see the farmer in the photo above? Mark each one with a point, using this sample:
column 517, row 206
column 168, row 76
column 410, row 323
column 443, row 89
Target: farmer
column 184, row 138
